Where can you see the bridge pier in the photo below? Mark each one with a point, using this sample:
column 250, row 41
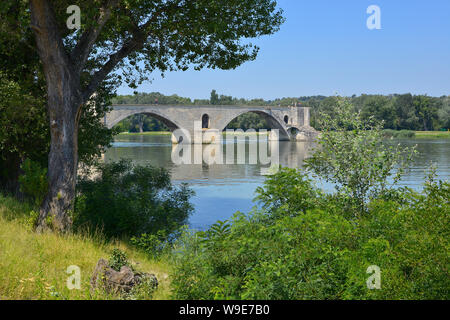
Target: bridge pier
column 207, row 136
column 216, row 136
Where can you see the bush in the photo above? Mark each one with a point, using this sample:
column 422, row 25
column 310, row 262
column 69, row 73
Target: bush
column 322, row 252
column 352, row 156
column 118, row 259
column 288, row 192
column 153, row 244
column 33, row 181
column 405, row 134
column 126, row 201
column 305, row 244
column 389, row 133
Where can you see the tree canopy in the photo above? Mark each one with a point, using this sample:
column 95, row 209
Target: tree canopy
column 120, row 41
column 24, row 129
column 138, row 37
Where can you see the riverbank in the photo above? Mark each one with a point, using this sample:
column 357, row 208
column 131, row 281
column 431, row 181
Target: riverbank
column 411, row 134
column 164, row 133
column 432, row 134
column 147, row 133
column 33, row 266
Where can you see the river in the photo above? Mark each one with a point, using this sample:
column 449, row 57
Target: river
column 222, row 189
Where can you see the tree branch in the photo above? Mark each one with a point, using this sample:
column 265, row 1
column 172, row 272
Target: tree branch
column 140, row 35
column 48, row 39
column 129, row 47
column 82, row 50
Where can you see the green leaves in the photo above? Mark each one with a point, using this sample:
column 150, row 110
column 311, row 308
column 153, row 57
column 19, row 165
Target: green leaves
column 171, row 34
column 289, row 193
column 353, row 155
column 322, row 253
column 118, row 259
column 216, row 232
column 33, row 181
column 127, row 200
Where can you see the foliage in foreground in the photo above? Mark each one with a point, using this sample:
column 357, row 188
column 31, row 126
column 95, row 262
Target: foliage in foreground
column 307, row 244
column 309, row 247
column 33, row 181
column 353, row 156
column 129, row 201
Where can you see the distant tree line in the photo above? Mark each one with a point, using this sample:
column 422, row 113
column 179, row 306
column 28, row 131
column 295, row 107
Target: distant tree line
column 140, row 123
column 398, row 111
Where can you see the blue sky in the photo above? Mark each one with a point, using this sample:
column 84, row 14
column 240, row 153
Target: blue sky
column 325, row 47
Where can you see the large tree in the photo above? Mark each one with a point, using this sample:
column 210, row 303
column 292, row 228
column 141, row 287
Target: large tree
column 24, row 130
column 136, row 37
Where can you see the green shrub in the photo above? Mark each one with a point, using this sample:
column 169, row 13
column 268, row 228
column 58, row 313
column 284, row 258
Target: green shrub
column 153, row 244
column 389, row 133
column 143, row 290
column 288, row 192
column 405, row 134
column 33, row 181
column 305, row 244
column 352, row 155
column 321, row 252
column 31, row 219
column 118, row 259
column 127, row 201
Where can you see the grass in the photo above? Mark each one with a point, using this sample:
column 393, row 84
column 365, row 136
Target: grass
column 33, row 266
column 433, row 134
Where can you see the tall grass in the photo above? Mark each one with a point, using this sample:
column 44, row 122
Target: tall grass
column 33, row 266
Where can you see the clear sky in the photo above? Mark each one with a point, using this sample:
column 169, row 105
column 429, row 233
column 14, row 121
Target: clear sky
column 325, row 47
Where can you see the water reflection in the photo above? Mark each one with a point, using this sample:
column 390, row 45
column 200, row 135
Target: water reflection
column 222, row 189
column 226, row 161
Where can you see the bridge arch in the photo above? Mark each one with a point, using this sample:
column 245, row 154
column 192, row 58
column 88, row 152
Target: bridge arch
column 271, row 120
column 172, row 125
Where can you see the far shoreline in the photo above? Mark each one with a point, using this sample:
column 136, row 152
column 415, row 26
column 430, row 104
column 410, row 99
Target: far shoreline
column 417, row 134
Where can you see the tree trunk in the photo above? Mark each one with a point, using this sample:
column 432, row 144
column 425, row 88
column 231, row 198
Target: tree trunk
column 62, row 161
column 64, row 109
column 425, row 127
column 141, row 123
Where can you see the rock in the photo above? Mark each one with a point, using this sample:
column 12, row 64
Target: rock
column 305, row 133
column 119, row 281
column 98, row 273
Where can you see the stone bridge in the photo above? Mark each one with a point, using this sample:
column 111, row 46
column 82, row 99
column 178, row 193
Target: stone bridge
column 292, row 122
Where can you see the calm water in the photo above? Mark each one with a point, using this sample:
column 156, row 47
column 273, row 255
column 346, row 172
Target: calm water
column 224, row 189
